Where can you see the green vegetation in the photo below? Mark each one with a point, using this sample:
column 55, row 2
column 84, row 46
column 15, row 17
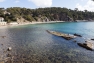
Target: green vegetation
column 52, row 14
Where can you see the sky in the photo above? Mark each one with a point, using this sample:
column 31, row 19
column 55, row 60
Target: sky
column 70, row 4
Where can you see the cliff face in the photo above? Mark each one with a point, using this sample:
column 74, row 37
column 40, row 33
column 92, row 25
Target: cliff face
column 56, row 17
column 62, row 18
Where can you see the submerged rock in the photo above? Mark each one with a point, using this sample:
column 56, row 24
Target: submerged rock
column 74, row 41
column 3, row 36
column 9, row 55
column 1, row 44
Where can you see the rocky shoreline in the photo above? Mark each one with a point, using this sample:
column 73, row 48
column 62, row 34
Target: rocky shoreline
column 89, row 45
column 7, row 50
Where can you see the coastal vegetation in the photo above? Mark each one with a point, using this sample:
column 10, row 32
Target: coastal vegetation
column 45, row 14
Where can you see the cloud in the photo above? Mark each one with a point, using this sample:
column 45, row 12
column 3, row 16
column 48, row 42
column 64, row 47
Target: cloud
column 42, row 3
column 2, row 0
column 88, row 6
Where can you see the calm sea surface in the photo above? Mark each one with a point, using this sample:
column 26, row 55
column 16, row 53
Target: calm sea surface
column 32, row 44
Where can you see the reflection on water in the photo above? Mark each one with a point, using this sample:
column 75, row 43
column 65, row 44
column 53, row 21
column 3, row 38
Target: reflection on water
column 32, row 44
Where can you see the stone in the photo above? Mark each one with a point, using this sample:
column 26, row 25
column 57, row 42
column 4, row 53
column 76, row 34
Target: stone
column 87, row 45
column 8, row 55
column 92, row 39
column 74, row 41
column 2, row 62
column 3, row 36
column 1, row 44
column 9, row 49
column 77, row 35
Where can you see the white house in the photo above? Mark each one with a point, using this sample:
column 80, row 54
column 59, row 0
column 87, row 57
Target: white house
column 2, row 22
column 1, row 19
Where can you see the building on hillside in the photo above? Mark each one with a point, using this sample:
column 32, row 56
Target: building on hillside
column 1, row 19
column 2, row 22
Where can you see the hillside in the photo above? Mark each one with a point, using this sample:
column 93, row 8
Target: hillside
column 45, row 14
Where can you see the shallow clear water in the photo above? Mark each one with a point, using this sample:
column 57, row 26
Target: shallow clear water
column 32, row 44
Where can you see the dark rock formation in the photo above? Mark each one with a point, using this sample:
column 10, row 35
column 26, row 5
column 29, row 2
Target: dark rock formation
column 77, row 35
column 92, row 39
column 87, row 45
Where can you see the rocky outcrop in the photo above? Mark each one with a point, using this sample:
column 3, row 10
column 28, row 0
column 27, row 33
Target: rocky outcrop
column 43, row 19
column 87, row 45
column 21, row 20
column 62, row 17
column 77, row 35
column 63, row 35
column 92, row 39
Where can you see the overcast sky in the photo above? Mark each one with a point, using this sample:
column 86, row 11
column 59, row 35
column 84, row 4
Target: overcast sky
column 80, row 4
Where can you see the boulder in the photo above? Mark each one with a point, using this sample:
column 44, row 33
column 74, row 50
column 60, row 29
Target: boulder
column 3, row 36
column 9, row 49
column 74, row 41
column 77, row 35
column 87, row 45
column 92, row 39
column 9, row 55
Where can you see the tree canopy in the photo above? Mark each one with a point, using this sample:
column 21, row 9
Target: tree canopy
column 52, row 13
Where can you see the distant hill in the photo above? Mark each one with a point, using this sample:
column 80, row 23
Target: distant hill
column 45, row 14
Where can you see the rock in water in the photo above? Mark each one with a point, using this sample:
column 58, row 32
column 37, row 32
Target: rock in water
column 92, row 39
column 9, row 55
column 87, row 45
column 77, row 35
column 3, row 36
column 9, row 49
column 74, row 41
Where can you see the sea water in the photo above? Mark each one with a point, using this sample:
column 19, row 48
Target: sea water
column 33, row 44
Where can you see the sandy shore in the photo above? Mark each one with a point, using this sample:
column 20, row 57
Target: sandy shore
column 29, row 23
column 46, row 22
